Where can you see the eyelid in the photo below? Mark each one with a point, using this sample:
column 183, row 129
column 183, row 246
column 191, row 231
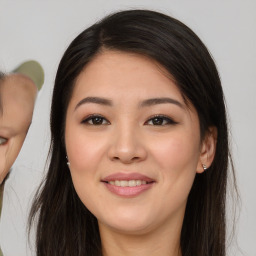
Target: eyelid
column 3, row 140
column 89, row 117
column 169, row 119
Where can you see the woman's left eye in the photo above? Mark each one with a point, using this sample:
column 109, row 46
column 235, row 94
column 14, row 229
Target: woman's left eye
column 95, row 120
column 3, row 140
column 160, row 120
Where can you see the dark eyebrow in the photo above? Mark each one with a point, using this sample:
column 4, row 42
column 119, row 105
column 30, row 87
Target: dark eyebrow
column 96, row 100
column 155, row 101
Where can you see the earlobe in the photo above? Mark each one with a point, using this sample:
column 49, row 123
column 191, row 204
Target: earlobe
column 208, row 149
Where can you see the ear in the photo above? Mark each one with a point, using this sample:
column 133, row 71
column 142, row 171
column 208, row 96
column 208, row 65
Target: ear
column 208, row 149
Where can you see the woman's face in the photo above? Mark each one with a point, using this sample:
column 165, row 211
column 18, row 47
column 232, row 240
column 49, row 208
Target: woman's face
column 133, row 145
column 18, row 95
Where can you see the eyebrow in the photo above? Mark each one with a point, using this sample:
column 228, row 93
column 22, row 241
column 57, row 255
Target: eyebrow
column 155, row 101
column 144, row 103
column 97, row 100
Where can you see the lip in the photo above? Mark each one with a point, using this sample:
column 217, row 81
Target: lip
column 127, row 176
column 128, row 192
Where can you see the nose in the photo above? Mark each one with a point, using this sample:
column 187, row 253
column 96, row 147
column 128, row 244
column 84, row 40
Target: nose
column 127, row 146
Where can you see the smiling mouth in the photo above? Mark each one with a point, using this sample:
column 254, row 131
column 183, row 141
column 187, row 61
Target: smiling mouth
column 128, row 183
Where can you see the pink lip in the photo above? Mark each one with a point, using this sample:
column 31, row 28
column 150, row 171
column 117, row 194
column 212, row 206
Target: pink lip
column 127, row 176
column 128, row 191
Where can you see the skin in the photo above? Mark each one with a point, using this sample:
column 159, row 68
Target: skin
column 18, row 94
column 127, row 141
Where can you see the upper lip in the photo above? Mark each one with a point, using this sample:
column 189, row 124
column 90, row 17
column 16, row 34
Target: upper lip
column 127, row 176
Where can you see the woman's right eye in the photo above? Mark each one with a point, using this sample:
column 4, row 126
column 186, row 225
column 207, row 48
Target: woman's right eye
column 3, row 141
column 95, row 120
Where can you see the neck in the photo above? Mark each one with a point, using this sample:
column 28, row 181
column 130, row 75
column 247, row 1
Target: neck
column 156, row 243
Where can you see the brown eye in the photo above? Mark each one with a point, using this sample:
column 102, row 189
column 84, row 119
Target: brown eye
column 95, row 120
column 160, row 120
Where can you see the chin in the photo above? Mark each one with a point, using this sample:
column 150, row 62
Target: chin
column 135, row 224
column 130, row 229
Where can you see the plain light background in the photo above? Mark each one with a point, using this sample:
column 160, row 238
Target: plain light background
column 42, row 30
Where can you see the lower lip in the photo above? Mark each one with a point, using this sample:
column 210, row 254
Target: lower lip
column 128, row 191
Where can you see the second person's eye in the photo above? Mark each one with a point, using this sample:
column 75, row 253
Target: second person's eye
column 2, row 140
column 95, row 120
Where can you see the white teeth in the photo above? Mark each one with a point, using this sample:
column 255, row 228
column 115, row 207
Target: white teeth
column 126, row 183
column 138, row 182
column 132, row 183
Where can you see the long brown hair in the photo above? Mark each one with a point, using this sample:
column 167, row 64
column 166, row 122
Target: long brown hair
column 65, row 226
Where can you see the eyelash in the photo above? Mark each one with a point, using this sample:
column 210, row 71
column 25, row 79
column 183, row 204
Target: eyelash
column 164, row 120
column 94, row 117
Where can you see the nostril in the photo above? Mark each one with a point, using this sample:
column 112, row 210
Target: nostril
column 127, row 153
column 126, row 159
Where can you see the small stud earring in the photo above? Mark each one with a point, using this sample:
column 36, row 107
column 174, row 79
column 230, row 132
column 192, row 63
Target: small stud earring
column 204, row 167
column 68, row 163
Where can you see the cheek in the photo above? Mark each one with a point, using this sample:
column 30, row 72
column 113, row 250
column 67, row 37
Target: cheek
column 9, row 153
column 3, row 171
column 176, row 153
column 177, row 157
column 84, row 152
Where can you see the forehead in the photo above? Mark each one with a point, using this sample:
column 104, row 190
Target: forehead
column 119, row 74
column 16, row 93
column 17, row 99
